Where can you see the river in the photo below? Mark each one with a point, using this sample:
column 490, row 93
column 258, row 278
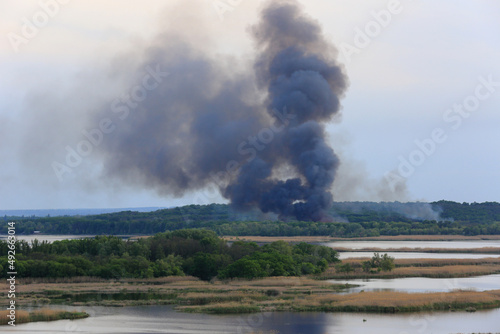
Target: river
column 163, row 319
column 418, row 255
column 423, row 284
column 355, row 247
column 452, row 244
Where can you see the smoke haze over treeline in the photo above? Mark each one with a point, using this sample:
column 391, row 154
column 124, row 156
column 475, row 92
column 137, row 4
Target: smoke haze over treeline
column 168, row 105
column 257, row 133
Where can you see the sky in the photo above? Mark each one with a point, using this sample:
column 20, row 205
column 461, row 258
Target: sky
column 419, row 120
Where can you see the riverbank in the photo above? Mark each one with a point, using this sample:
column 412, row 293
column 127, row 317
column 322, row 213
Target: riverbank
column 23, row 317
column 244, row 296
column 319, row 239
column 376, row 302
column 431, row 268
column 181, row 291
column 482, row 250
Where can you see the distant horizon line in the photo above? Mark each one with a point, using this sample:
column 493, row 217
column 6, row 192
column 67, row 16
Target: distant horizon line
column 2, row 211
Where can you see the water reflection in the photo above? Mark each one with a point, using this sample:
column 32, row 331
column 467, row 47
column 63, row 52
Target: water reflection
column 423, row 284
column 465, row 244
column 163, row 319
column 418, row 255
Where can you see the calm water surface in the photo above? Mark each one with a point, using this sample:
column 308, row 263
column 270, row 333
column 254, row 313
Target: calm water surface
column 419, row 255
column 385, row 246
column 163, row 319
column 463, row 244
column 52, row 238
column 423, row 284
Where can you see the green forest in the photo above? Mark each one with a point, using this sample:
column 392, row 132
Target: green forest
column 196, row 252
column 348, row 219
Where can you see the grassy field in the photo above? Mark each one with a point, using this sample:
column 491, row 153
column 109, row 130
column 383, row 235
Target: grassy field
column 41, row 315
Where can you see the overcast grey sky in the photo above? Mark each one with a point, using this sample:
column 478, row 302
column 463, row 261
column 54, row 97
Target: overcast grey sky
column 422, row 107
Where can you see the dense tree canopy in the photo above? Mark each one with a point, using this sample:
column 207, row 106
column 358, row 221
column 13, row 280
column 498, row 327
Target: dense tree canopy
column 195, row 252
column 363, row 219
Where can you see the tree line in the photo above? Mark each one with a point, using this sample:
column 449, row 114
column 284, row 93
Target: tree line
column 196, row 252
column 85, row 226
column 364, row 219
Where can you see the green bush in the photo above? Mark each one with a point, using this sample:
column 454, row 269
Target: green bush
column 378, row 263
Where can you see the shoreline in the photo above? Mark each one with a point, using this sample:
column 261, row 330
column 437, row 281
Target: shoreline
column 483, row 250
column 295, row 294
column 24, row 317
column 429, row 268
column 317, row 239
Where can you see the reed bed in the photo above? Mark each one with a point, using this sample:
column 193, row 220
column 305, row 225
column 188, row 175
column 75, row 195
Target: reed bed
column 482, row 250
column 425, row 237
column 435, row 268
column 279, row 281
column 401, row 301
column 40, row 315
column 447, row 271
column 382, row 302
column 444, row 262
column 51, row 280
column 198, row 298
column 379, row 238
column 172, row 291
column 222, row 308
column 450, row 271
column 89, row 279
column 279, row 294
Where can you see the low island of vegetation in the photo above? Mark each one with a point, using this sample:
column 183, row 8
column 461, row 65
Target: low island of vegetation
column 195, row 252
column 40, row 315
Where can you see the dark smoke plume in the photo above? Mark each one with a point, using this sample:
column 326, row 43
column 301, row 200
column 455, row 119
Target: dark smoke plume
column 258, row 135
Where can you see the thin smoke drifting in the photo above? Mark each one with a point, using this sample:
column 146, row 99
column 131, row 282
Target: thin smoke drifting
column 199, row 126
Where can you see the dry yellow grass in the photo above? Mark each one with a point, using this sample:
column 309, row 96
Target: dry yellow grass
column 43, row 292
column 444, row 262
column 402, row 299
column 274, row 293
column 77, row 279
column 279, row 281
column 360, row 302
column 420, row 271
column 40, row 315
column 454, row 270
column 437, row 268
column 87, row 279
column 21, row 317
column 296, row 239
column 483, row 250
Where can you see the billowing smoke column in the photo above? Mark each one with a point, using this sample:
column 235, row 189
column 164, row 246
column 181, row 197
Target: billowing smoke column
column 300, row 80
column 199, row 126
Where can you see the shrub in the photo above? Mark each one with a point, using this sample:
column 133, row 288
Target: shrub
column 344, row 268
